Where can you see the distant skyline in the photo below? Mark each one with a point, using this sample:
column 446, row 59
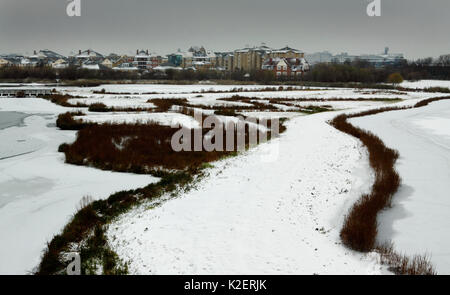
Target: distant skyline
column 416, row 28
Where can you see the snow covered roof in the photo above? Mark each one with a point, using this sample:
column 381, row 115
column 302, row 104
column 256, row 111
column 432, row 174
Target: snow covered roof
column 125, row 68
column 60, row 61
column 45, row 53
column 187, row 54
column 244, row 50
column 210, row 54
column 91, row 67
column 200, row 63
column 260, row 49
column 26, row 61
column 142, row 54
column 166, row 66
column 88, row 53
column 287, row 49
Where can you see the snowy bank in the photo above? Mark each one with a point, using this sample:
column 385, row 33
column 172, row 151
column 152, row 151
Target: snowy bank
column 418, row 221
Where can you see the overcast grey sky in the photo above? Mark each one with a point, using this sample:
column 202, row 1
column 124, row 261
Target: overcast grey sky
column 417, row 28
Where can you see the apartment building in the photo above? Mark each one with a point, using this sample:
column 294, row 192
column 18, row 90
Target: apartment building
column 197, row 58
column 224, row 61
column 142, row 60
column 286, row 52
column 252, row 59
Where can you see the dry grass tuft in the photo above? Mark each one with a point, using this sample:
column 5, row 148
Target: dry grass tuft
column 62, row 100
column 404, row 265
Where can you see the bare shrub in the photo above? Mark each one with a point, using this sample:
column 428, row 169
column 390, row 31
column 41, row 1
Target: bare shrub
column 402, row 264
column 98, row 107
column 20, row 94
column 164, row 105
column 426, row 102
column 67, row 121
column 62, row 100
column 84, row 202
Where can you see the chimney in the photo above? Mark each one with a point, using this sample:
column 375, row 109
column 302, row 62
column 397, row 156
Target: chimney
column 79, row 51
column 35, row 52
column 147, row 51
column 137, row 51
column 89, row 51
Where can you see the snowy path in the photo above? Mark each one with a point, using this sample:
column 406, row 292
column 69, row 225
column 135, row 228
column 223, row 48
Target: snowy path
column 257, row 217
column 425, row 84
column 419, row 220
column 38, row 192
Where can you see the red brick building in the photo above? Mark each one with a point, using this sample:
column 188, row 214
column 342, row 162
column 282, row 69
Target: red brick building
column 286, row 67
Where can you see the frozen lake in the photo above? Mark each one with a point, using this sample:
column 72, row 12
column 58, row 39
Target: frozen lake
column 10, row 119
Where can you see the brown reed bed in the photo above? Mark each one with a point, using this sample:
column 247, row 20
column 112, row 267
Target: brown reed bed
column 63, row 100
column 137, row 148
column 67, row 121
column 102, row 108
column 360, row 226
column 209, row 91
column 147, row 148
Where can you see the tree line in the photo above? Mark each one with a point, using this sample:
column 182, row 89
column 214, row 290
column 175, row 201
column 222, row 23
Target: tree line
column 356, row 71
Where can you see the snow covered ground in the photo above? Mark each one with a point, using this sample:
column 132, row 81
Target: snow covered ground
column 38, row 192
column 425, row 84
column 256, row 216
column 249, row 216
column 270, row 115
column 339, row 105
column 419, row 219
column 169, row 119
column 114, row 101
column 214, row 99
column 184, row 92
